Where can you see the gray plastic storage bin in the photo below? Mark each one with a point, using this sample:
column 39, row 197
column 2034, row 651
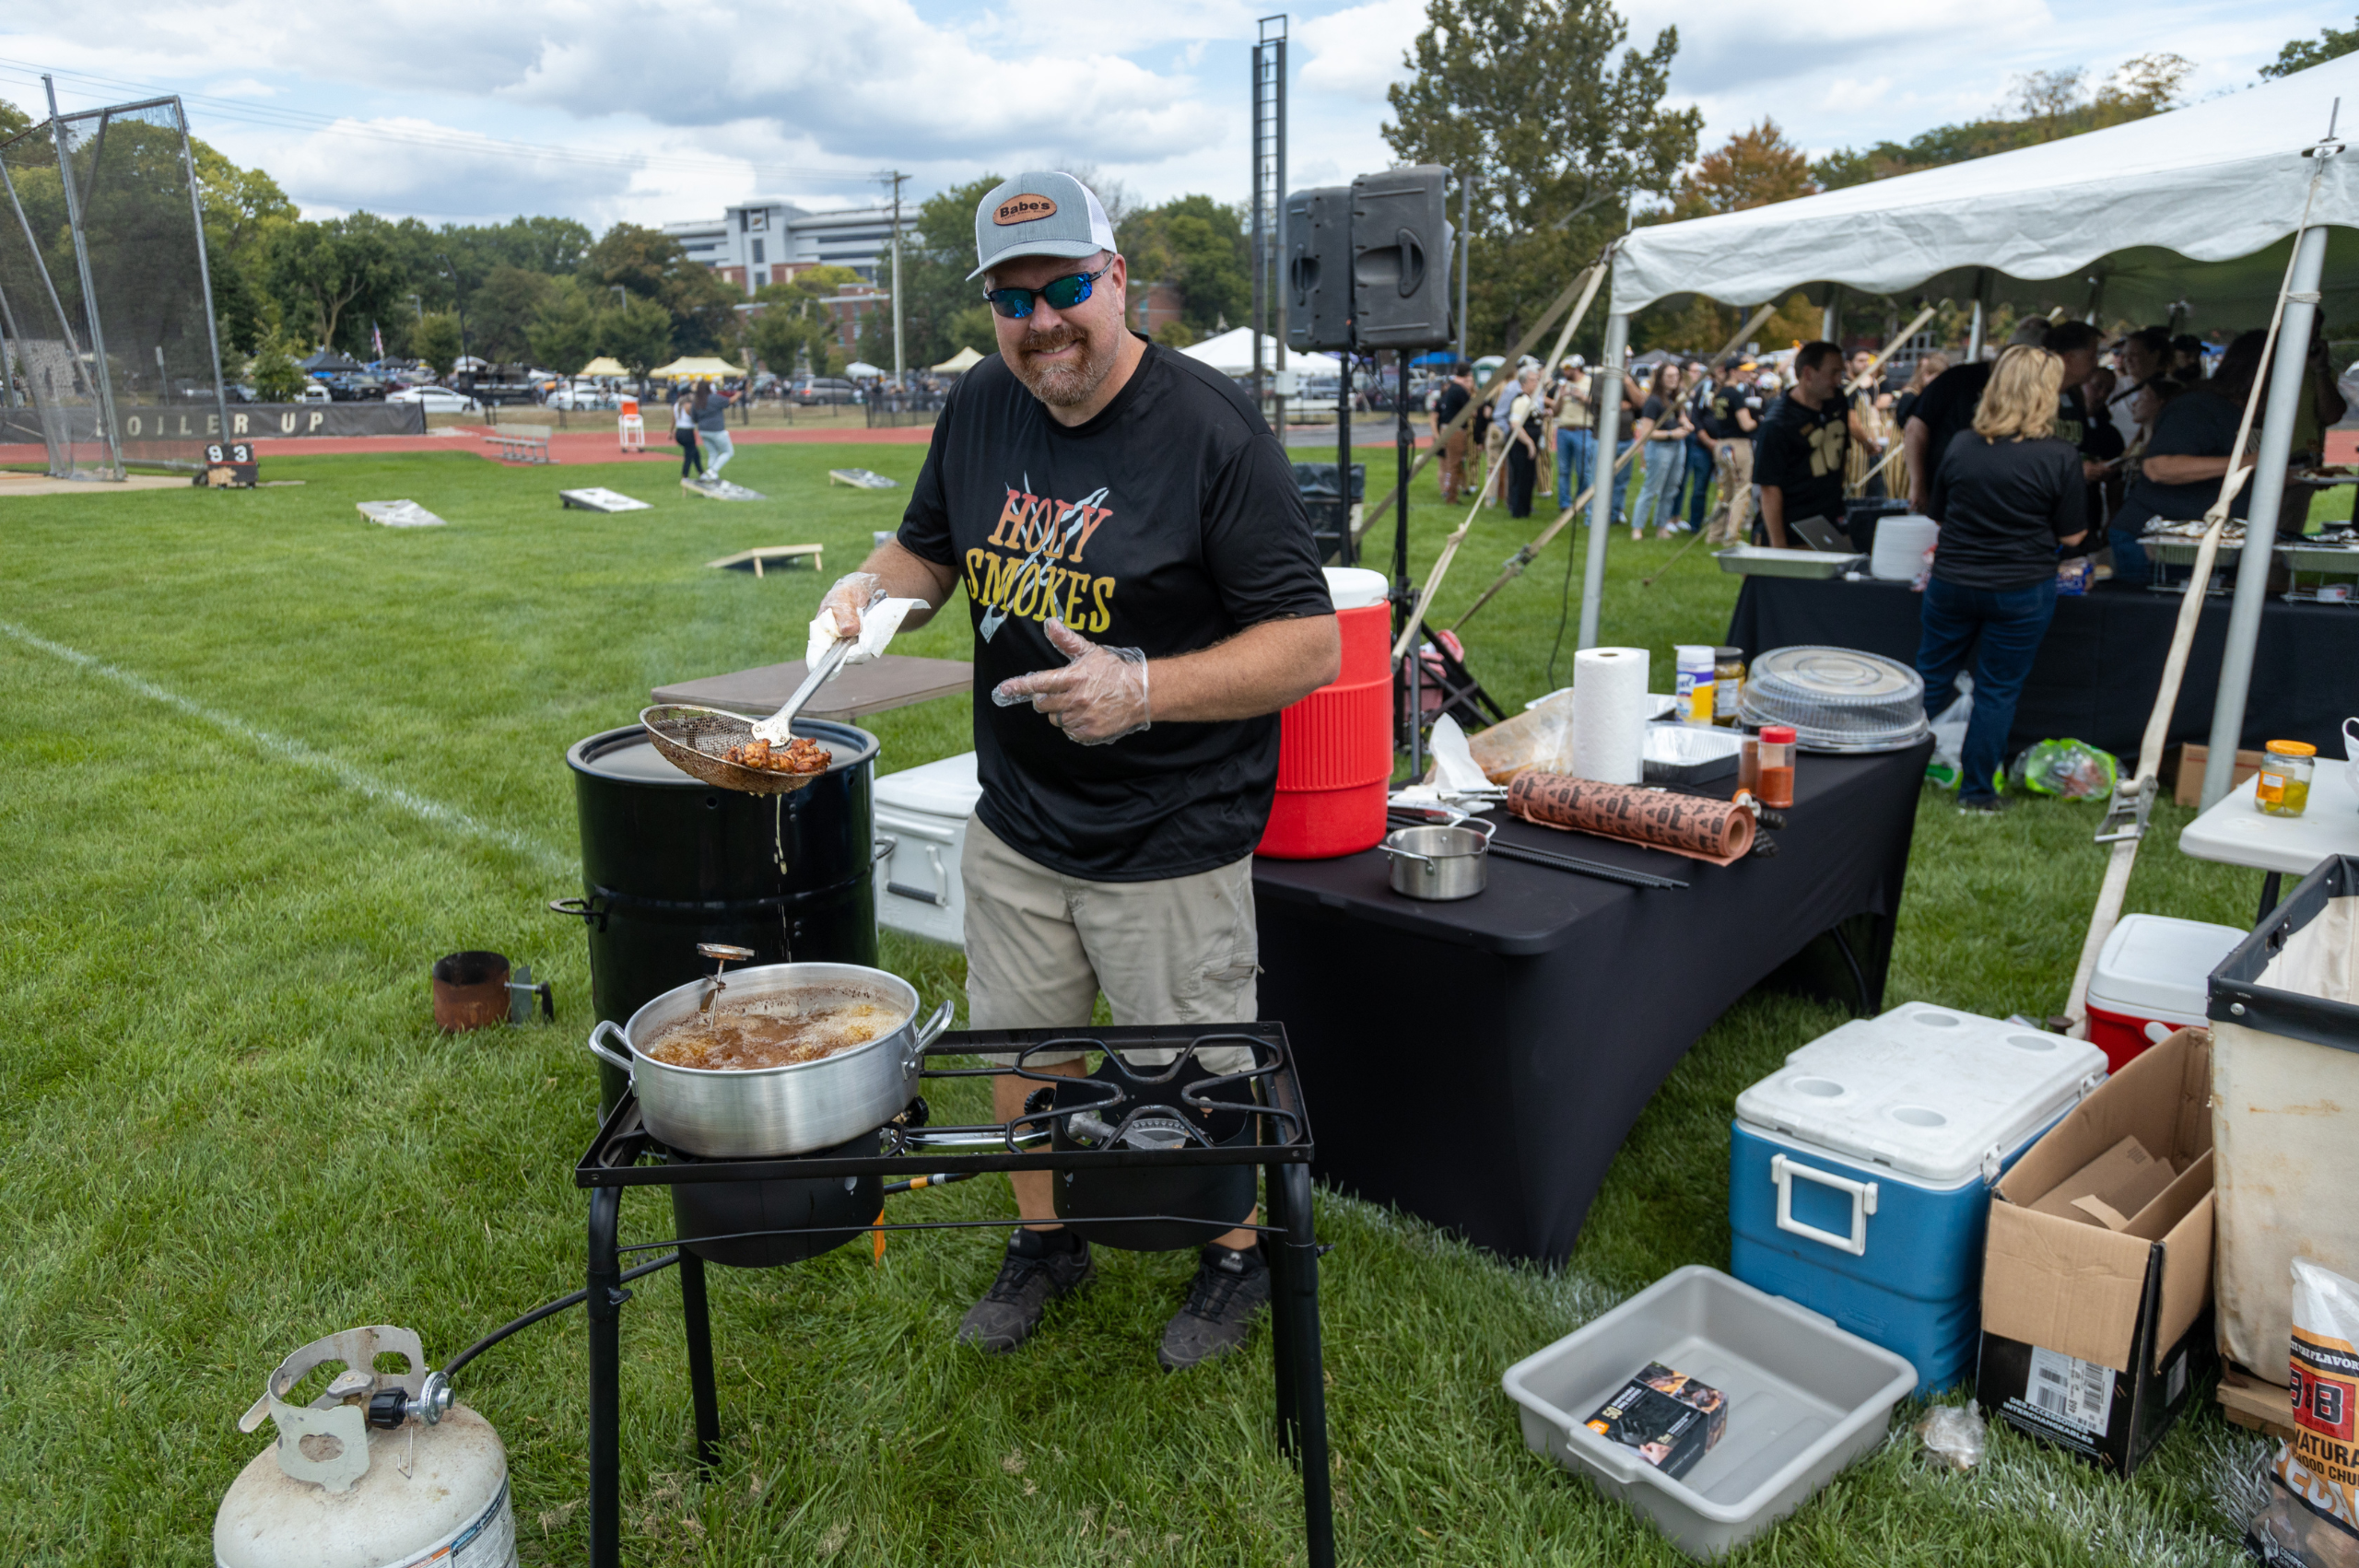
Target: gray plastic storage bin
column 1805, row 1398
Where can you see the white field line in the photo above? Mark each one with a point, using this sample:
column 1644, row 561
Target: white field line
column 296, row 752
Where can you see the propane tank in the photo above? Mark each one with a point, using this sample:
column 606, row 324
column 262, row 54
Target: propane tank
column 381, row 1471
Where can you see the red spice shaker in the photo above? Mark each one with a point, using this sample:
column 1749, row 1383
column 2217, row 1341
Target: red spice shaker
column 1777, row 746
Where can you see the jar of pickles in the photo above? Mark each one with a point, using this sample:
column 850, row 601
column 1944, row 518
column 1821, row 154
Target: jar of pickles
column 1728, row 684
column 2283, row 788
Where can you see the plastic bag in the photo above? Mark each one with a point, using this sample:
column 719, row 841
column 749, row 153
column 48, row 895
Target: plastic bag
column 2073, row 769
column 1954, row 1437
column 1541, row 736
column 2311, row 1518
column 1948, row 763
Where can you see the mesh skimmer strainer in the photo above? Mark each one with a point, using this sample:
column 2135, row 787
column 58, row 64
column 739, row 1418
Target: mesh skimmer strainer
column 696, row 741
column 1838, row 699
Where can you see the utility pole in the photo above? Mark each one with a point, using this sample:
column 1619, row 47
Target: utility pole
column 459, row 301
column 900, row 378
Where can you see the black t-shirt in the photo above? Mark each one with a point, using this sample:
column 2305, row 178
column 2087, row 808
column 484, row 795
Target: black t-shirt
column 1453, row 398
column 1800, row 450
column 1947, row 406
column 2003, row 508
column 2195, row 424
column 1720, row 419
column 1172, row 520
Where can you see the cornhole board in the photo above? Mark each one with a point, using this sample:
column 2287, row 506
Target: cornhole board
column 399, row 514
column 772, row 554
column 598, row 498
column 722, row 490
column 862, row 479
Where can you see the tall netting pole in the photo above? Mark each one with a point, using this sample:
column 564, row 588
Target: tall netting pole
column 100, row 377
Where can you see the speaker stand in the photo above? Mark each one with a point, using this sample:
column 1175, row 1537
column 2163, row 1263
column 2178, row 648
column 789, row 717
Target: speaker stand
column 1404, row 593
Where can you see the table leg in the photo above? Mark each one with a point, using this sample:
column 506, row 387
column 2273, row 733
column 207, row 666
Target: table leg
column 1301, row 1305
column 1279, row 1213
column 2270, row 885
column 698, row 1320
column 604, row 1306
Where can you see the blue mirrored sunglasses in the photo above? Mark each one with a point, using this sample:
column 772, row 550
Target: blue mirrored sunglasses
column 1061, row 293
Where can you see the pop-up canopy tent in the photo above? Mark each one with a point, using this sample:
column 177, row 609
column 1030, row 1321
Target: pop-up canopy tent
column 604, row 365
column 2200, row 205
column 1231, row 353
column 696, row 367
column 959, row 363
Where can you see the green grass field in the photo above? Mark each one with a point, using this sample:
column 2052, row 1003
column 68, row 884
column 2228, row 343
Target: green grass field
column 262, row 763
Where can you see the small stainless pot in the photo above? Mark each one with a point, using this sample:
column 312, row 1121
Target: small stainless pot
column 1439, row 864
column 774, row 1110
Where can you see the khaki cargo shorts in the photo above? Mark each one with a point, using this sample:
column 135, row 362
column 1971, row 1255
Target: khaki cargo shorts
column 1040, row 946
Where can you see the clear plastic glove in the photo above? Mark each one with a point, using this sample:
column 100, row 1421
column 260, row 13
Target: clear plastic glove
column 848, row 598
column 1953, row 1435
column 1100, row 695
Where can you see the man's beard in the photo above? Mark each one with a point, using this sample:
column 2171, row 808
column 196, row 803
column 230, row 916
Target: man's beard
column 1066, row 383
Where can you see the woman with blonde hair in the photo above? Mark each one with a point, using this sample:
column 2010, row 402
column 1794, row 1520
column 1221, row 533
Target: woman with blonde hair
column 2008, row 496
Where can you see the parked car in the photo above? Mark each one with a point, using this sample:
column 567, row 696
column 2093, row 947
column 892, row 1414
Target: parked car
column 582, row 395
column 811, row 391
column 436, row 399
column 315, row 392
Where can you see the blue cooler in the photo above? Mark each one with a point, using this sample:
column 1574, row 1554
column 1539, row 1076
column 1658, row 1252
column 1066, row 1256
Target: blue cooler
column 1860, row 1173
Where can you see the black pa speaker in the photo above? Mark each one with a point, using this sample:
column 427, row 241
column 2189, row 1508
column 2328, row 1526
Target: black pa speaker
column 1319, row 268
column 1400, row 255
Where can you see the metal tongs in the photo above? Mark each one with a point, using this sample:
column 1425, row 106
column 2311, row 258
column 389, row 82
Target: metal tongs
column 778, row 728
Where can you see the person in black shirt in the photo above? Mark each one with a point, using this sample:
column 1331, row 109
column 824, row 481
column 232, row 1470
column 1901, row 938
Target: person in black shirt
column 1145, row 597
column 1798, row 457
column 1456, row 393
column 1526, row 414
column 2187, row 456
column 2006, row 494
column 1734, row 415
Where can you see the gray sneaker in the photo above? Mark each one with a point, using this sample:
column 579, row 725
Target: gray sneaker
column 1228, row 1289
column 1031, row 1276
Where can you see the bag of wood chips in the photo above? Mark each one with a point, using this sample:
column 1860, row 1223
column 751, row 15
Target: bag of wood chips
column 2311, row 1518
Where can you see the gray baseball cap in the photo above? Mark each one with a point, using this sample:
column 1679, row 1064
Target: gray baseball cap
column 1039, row 214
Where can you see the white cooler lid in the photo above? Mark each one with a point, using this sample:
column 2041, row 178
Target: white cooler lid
column 1353, row 588
column 945, row 788
column 2155, row 967
column 1926, row 1090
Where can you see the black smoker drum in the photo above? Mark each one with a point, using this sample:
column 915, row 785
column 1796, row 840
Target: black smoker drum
column 669, row 861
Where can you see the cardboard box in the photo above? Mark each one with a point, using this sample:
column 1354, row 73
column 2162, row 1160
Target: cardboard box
column 2110, row 1189
column 2092, row 1335
column 2182, row 769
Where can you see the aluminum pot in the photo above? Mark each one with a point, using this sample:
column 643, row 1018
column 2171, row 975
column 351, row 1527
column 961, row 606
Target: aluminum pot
column 1439, row 864
column 770, row 1111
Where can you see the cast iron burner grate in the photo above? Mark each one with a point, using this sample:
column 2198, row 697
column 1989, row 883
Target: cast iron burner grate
column 1123, row 1129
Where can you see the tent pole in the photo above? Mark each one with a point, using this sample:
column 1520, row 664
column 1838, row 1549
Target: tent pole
column 1600, row 501
column 1974, row 329
column 1830, row 315
column 2287, row 380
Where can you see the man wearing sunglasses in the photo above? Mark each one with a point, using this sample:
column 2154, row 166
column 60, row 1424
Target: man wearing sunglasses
column 1145, row 598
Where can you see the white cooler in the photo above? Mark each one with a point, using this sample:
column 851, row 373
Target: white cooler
column 2150, row 981
column 923, row 813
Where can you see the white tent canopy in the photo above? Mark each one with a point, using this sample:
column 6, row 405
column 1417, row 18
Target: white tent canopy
column 2197, row 204
column 964, row 360
column 1231, row 353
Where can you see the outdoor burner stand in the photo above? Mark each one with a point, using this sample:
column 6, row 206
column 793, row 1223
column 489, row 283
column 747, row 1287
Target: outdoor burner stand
column 1282, row 1145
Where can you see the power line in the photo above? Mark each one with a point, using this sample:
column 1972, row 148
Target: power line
column 244, row 111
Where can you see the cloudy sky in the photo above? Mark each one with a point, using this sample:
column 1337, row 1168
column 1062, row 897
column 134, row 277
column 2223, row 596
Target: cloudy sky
column 459, row 109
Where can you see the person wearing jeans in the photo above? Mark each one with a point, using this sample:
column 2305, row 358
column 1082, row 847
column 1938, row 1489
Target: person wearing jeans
column 1576, row 434
column 2007, row 493
column 712, row 423
column 1663, row 426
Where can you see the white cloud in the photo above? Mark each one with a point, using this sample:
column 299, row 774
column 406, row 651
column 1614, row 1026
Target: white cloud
column 1357, row 53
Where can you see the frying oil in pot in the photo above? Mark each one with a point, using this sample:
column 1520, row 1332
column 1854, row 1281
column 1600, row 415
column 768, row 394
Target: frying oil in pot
column 774, row 1033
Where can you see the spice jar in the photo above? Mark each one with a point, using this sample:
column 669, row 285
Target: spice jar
column 1776, row 789
column 2283, row 788
column 1728, row 684
column 1748, row 759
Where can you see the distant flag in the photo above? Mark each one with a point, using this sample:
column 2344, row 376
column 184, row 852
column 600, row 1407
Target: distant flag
column 377, row 339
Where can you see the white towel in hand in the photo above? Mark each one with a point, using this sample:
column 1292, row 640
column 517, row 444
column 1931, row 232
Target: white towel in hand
column 877, row 629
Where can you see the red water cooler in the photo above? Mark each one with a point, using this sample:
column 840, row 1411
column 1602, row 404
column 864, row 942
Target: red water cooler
column 1335, row 745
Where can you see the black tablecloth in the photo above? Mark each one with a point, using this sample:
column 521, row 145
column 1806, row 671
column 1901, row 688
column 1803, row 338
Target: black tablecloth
column 2098, row 671
column 1480, row 1062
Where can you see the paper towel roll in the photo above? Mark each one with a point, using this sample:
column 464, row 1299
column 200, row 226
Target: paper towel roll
column 1609, row 726
column 1901, row 544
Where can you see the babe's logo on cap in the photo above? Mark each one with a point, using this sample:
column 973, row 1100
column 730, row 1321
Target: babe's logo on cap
column 1025, row 208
